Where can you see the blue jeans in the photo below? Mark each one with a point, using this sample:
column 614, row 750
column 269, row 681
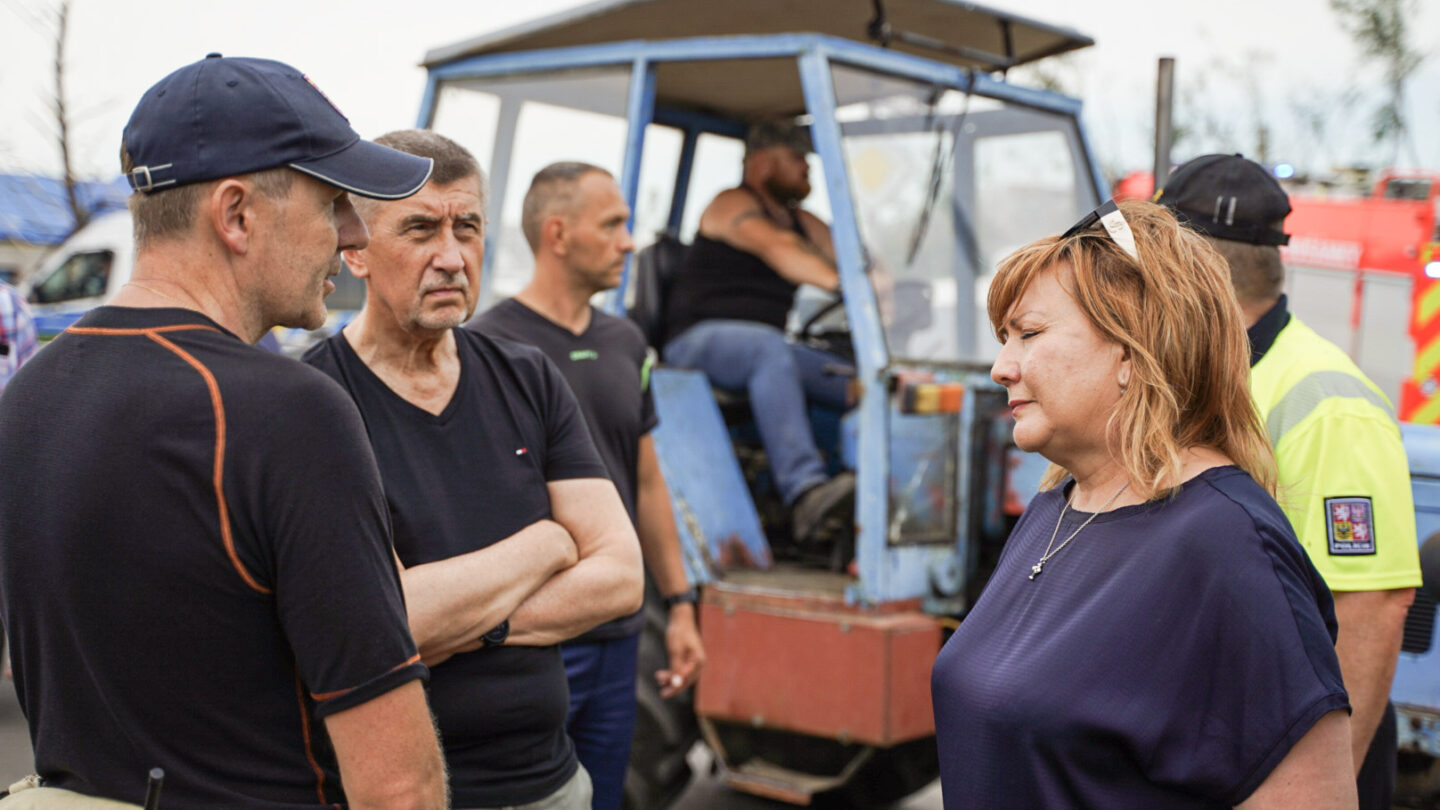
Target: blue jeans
column 779, row 376
column 602, row 711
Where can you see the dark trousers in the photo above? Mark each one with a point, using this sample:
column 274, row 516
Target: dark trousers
column 602, row 711
column 1376, row 782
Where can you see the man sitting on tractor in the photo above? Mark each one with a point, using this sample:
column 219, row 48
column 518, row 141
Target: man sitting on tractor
column 726, row 310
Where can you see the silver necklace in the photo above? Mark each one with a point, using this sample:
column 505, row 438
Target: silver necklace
column 1044, row 558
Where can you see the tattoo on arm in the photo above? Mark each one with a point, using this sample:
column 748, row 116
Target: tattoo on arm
column 806, row 243
column 749, row 213
column 814, row 250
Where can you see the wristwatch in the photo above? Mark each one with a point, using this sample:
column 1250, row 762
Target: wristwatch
column 688, row 597
column 496, row 635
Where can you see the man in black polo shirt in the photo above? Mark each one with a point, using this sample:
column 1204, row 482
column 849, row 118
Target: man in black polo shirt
column 575, row 220
column 512, row 537
column 195, row 563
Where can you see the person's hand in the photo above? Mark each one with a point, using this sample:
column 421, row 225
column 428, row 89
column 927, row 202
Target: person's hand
column 683, row 648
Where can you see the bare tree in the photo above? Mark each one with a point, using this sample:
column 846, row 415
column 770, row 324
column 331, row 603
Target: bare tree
column 53, row 22
column 1315, row 111
column 62, row 118
column 1380, row 29
column 1202, row 121
column 1253, row 66
column 1222, row 106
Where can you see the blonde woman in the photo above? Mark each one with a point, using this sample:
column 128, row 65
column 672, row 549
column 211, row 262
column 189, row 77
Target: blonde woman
column 1153, row 636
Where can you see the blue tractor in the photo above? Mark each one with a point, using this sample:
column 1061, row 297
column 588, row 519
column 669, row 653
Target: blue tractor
column 930, row 166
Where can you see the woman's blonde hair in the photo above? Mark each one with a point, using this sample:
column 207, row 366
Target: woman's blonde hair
column 1175, row 314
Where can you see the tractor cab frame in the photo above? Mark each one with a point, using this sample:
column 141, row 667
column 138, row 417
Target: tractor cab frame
column 929, row 166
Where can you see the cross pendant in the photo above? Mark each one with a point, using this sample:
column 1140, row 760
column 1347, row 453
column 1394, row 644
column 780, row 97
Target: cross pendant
column 1035, row 569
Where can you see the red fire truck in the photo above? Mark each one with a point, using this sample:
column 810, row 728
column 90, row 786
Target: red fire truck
column 1383, row 247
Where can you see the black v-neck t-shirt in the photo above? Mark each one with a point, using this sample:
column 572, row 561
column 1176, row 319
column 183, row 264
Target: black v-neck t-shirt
column 606, row 367
column 462, row 480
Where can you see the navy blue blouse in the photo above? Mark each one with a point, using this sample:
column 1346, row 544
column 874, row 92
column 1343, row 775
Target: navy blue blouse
column 1170, row 656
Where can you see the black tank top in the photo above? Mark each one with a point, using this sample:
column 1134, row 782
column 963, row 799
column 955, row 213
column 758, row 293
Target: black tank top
column 717, row 281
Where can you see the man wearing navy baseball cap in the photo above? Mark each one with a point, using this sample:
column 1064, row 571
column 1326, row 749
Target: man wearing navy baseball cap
column 1344, row 478
column 195, row 567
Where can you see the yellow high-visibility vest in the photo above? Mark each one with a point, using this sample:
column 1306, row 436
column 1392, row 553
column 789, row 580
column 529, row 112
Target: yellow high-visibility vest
column 1344, row 478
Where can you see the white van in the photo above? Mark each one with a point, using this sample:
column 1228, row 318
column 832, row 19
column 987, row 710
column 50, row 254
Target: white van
column 84, row 271
column 96, row 261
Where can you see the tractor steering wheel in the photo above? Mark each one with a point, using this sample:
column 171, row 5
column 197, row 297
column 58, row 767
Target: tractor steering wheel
column 835, row 340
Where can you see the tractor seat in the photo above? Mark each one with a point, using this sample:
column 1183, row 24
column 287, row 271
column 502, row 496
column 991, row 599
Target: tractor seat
column 655, row 268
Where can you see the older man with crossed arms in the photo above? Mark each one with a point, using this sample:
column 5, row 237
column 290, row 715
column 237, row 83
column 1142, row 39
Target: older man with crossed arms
column 511, row 535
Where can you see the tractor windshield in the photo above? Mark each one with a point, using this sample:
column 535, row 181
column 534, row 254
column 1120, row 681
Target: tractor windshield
column 945, row 185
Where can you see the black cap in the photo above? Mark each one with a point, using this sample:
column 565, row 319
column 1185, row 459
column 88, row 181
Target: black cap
column 1228, row 197
column 778, row 133
column 224, row 116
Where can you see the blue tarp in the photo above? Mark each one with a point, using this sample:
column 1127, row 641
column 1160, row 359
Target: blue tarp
column 33, row 209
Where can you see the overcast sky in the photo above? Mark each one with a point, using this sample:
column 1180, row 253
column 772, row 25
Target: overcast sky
column 1287, row 59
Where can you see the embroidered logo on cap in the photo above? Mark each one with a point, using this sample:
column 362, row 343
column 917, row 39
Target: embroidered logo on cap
column 1350, row 524
column 322, row 95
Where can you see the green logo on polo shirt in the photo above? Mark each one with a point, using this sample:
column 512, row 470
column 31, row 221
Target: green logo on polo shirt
column 584, row 354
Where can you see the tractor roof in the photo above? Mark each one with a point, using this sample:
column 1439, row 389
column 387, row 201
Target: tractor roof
column 973, row 36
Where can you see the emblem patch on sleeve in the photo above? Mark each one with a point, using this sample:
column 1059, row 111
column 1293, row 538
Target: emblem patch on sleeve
column 1350, row 524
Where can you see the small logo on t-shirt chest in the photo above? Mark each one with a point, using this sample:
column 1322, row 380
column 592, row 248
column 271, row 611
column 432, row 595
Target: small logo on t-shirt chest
column 584, row 354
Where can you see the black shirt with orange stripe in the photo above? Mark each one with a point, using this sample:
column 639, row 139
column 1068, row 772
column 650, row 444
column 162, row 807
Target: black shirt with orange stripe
column 462, row 480
column 195, row 567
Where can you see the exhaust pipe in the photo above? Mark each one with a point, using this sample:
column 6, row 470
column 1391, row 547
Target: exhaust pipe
column 1164, row 127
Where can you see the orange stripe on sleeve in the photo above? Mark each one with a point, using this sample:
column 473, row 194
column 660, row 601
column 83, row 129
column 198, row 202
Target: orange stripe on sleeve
column 324, row 696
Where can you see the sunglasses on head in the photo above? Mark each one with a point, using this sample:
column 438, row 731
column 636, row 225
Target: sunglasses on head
column 1109, row 216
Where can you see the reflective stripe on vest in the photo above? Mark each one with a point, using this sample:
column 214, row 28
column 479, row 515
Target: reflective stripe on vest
column 1312, row 390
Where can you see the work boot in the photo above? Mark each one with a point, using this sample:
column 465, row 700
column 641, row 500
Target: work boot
column 822, row 508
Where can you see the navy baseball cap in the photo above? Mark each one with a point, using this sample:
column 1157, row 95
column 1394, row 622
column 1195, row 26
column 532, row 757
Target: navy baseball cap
column 225, row 116
column 1228, row 197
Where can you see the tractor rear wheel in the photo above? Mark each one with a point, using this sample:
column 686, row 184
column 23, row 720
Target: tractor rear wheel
column 891, row 774
column 872, row 777
column 1417, row 781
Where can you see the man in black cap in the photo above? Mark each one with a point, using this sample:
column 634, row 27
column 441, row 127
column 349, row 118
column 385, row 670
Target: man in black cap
column 726, row 310
column 196, row 569
column 1344, row 478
